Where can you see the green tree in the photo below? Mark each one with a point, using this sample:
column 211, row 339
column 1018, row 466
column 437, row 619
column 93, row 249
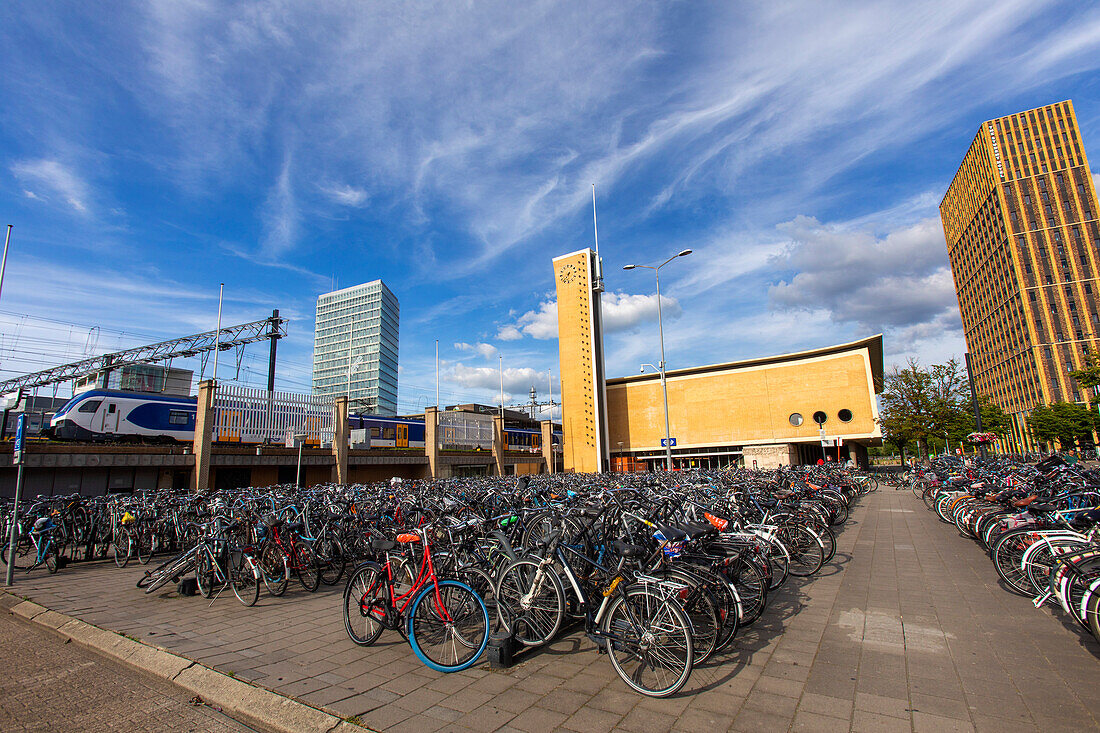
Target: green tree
column 1066, row 422
column 994, row 419
column 906, row 412
column 1088, row 377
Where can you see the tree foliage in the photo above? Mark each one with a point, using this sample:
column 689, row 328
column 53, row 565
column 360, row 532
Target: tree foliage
column 920, row 406
column 1066, row 422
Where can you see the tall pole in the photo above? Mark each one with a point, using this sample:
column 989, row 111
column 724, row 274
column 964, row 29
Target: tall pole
column 298, row 475
column 13, row 536
column 271, row 355
column 437, row 374
column 661, row 365
column 349, row 359
column 550, row 391
column 974, row 402
column 664, row 382
column 501, row 358
column 4, row 261
column 218, row 333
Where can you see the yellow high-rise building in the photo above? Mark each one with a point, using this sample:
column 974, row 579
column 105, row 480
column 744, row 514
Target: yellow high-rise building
column 1022, row 236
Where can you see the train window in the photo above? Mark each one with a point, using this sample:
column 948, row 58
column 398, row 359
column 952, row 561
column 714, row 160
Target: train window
column 388, row 434
column 90, row 406
column 111, row 408
column 178, row 417
column 376, row 432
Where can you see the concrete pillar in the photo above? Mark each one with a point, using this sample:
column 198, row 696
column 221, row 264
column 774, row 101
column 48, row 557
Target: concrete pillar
column 498, row 443
column 204, row 430
column 431, row 441
column 340, row 439
column 548, row 444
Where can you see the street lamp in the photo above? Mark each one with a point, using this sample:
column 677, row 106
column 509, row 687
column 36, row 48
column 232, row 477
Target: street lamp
column 661, row 365
column 301, row 438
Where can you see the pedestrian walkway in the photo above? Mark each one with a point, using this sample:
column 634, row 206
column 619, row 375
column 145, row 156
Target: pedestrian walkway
column 906, row 629
column 49, row 685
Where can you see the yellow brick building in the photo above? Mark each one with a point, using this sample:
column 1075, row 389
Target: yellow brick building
column 759, row 411
column 1020, row 223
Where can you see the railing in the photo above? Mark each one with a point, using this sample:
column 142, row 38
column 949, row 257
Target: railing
column 247, row 415
column 464, row 431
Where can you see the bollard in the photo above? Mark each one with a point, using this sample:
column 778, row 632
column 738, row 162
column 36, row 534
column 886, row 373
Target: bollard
column 499, row 651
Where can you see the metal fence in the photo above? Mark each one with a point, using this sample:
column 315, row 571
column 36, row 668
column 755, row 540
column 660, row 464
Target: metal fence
column 247, row 415
column 465, row 431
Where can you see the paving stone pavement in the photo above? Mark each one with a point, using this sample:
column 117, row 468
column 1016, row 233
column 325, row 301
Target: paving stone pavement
column 49, row 685
column 906, row 629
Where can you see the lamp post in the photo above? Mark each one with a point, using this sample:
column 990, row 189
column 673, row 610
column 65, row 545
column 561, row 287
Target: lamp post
column 301, row 438
column 661, row 365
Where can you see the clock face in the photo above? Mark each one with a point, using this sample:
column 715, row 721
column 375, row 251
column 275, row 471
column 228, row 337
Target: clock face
column 569, row 273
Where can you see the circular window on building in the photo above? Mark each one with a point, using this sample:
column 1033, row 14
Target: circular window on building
column 845, row 415
column 795, row 419
column 820, row 417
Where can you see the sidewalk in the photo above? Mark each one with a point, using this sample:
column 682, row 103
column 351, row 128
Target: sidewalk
column 905, row 630
column 39, row 673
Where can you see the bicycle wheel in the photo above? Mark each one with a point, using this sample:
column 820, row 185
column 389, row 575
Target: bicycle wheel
column 448, row 626
column 701, row 607
column 275, row 569
column 1008, row 553
column 244, row 578
column 51, row 562
column 649, row 642
column 805, row 548
column 204, row 573
column 170, row 571
column 122, row 546
column 751, row 587
column 530, row 603
column 143, row 546
column 1041, row 561
column 330, row 556
column 305, row 562
column 482, row 584
column 364, row 604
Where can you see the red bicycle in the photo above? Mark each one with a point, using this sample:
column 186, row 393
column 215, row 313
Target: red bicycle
column 444, row 621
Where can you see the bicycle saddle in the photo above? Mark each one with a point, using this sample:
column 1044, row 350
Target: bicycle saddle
column 625, row 549
column 672, row 534
column 1040, row 508
column 380, row 545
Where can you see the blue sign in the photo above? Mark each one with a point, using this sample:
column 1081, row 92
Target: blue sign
column 669, row 443
column 17, row 450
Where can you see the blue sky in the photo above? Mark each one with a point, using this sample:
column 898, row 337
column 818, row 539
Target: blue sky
column 151, row 150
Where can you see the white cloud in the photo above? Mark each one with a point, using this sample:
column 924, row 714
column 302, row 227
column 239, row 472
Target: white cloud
column 621, row 312
column 31, row 195
column 56, row 177
column 538, row 324
column 346, row 195
column 280, row 214
column 482, row 349
column 517, row 381
column 899, row 281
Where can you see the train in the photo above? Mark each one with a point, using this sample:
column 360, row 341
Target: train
column 110, row 415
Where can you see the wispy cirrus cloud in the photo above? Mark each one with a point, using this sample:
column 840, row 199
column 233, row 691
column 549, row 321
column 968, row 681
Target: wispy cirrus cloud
column 52, row 177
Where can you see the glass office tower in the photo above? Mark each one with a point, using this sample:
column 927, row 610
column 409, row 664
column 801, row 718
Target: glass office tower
column 355, row 347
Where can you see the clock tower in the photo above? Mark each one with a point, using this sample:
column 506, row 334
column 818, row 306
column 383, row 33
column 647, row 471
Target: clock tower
column 580, row 349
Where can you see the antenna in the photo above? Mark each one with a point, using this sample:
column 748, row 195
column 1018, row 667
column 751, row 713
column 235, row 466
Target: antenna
column 598, row 286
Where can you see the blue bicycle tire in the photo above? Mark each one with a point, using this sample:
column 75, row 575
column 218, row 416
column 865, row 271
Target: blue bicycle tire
column 431, row 664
